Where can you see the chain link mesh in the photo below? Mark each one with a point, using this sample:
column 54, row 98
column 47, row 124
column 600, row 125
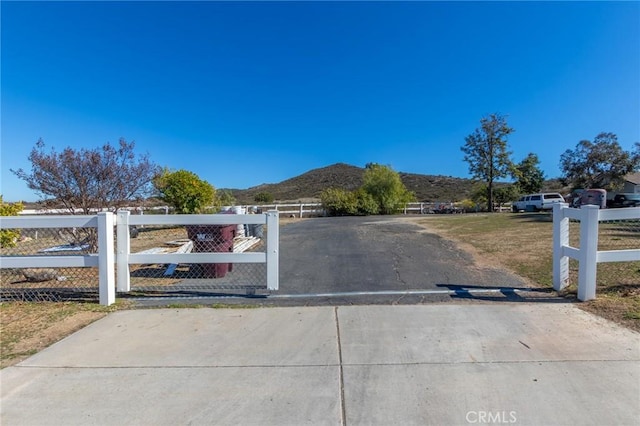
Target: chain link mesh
column 64, row 284
column 198, row 278
column 50, row 284
column 619, row 235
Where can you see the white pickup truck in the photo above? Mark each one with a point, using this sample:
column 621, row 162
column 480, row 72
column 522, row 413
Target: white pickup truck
column 537, row 202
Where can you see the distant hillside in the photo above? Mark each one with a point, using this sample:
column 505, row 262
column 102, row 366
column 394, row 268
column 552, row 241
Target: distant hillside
column 340, row 175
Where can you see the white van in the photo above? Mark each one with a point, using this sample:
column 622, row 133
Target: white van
column 537, row 202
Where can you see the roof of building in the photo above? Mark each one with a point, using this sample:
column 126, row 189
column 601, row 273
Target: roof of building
column 634, row 178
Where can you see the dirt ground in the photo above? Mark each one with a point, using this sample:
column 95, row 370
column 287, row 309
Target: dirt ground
column 29, row 327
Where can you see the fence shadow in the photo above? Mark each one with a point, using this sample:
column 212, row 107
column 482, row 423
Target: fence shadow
column 506, row 294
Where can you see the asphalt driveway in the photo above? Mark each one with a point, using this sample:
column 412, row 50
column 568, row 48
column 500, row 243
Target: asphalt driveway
column 384, row 258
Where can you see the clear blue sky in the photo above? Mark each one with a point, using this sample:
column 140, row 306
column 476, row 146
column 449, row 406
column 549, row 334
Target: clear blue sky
column 244, row 93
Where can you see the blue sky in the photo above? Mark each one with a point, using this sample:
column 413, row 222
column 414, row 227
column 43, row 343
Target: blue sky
column 244, row 93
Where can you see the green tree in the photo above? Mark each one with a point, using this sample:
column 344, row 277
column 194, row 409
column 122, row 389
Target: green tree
column 185, row 191
column 528, row 175
column 367, row 205
column 504, row 194
column 479, row 193
column 339, row 202
column 8, row 237
column 386, row 188
column 598, row 164
column 225, row 197
column 263, row 197
column 487, row 153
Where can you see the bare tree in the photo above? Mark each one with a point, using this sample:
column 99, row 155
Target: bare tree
column 86, row 180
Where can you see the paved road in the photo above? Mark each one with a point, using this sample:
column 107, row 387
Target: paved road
column 374, row 254
column 381, row 259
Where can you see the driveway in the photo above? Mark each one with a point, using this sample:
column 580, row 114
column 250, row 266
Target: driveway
column 375, row 259
column 385, row 258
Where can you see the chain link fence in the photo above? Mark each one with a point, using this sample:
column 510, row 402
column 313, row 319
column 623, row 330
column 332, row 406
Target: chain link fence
column 82, row 283
column 198, row 279
column 49, row 284
column 619, row 235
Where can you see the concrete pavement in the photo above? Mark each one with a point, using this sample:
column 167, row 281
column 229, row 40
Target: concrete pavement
column 441, row 364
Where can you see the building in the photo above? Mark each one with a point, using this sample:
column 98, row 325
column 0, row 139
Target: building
column 631, row 183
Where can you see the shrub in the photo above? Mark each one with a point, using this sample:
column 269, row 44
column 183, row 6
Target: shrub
column 263, row 197
column 185, row 191
column 8, row 237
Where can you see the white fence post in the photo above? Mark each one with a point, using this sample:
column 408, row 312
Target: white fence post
column 273, row 238
column 123, row 250
column 560, row 240
column 106, row 259
column 588, row 267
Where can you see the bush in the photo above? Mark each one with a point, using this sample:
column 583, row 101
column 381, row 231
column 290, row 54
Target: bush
column 338, row 202
column 8, row 237
column 185, row 191
column 263, row 197
column 386, row 188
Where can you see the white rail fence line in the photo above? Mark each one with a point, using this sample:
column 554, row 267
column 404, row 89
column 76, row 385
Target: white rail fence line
column 587, row 254
column 103, row 260
column 296, row 209
column 108, row 257
column 124, row 257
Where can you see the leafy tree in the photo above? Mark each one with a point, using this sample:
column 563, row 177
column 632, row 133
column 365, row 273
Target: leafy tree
column 225, row 197
column 468, row 205
column 102, row 178
column 487, row 153
column 339, row 202
column 479, row 193
column 8, row 237
column 598, row 164
column 504, row 194
column 263, row 197
column 185, row 191
column 367, row 205
column 386, row 188
column 528, row 175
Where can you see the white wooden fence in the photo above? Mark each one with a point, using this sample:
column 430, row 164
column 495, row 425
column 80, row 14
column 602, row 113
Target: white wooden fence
column 103, row 260
column 107, row 257
column 124, row 257
column 587, row 254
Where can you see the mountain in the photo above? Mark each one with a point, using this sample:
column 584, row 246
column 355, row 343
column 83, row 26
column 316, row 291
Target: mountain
column 309, row 185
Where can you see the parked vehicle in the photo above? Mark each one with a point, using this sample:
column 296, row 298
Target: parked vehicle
column 594, row 197
column 537, row 202
column 625, row 200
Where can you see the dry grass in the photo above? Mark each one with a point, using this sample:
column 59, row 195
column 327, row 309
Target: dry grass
column 523, row 243
column 29, row 327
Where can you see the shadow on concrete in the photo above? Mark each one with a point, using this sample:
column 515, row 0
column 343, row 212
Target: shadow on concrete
column 504, row 294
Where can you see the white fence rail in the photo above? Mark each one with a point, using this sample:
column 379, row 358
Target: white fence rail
column 124, row 257
column 108, row 257
column 293, row 209
column 587, row 254
column 103, row 260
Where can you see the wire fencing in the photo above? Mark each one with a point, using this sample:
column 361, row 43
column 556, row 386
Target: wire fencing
column 160, row 278
column 60, row 258
column 619, row 235
column 49, row 283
